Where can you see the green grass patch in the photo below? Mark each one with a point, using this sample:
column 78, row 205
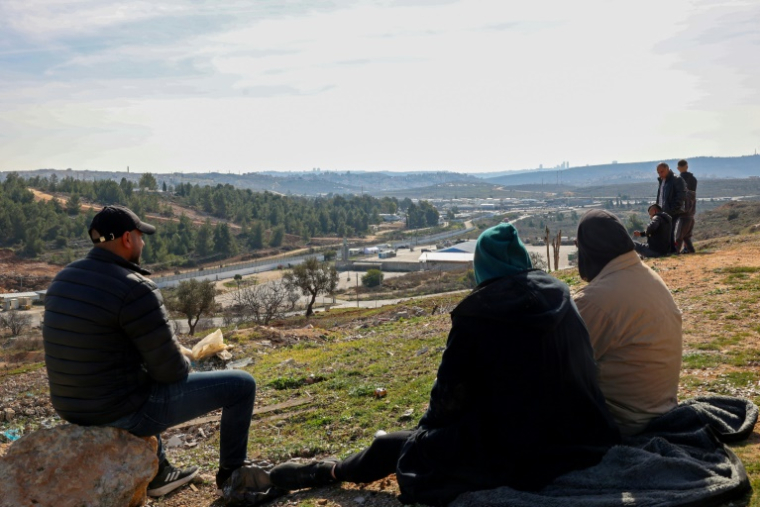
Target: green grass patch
column 280, row 383
column 570, row 277
column 401, row 357
column 702, row 360
column 26, row 368
column 741, row 378
column 737, row 269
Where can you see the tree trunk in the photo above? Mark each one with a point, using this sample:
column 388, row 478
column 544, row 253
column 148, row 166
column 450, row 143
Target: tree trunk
column 309, row 311
column 556, row 244
column 192, row 324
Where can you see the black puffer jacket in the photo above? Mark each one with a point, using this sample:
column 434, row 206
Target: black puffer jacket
column 516, row 402
column 107, row 337
column 691, row 192
column 658, row 233
column 673, row 195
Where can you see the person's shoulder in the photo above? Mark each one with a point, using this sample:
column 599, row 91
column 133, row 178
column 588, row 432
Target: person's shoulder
column 662, row 216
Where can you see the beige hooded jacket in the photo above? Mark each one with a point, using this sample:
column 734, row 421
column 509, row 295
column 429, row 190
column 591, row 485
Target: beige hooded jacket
column 635, row 330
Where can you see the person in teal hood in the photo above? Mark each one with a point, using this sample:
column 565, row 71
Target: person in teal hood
column 515, row 403
column 499, row 252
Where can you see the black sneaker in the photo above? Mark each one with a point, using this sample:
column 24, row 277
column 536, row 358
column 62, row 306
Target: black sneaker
column 292, row 476
column 225, row 473
column 170, row 478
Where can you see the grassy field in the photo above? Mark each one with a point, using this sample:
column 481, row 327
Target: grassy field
column 328, row 367
column 353, row 352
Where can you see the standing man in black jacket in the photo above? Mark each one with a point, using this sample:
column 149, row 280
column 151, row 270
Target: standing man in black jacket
column 671, row 195
column 113, row 360
column 658, row 234
column 685, row 223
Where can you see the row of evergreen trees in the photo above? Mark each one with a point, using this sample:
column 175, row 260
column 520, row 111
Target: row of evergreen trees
column 257, row 220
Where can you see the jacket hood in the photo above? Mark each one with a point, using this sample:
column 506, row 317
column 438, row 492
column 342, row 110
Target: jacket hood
column 536, row 297
column 601, row 238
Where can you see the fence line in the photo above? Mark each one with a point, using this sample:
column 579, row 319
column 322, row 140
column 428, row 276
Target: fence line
column 296, row 259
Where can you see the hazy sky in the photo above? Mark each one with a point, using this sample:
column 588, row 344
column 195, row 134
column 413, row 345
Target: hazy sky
column 468, row 85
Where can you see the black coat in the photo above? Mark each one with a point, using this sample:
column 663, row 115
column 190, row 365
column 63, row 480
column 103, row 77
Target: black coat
column 107, row 337
column 691, row 192
column 674, row 195
column 516, row 401
column 659, row 232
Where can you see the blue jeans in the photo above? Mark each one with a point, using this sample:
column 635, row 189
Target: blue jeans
column 233, row 391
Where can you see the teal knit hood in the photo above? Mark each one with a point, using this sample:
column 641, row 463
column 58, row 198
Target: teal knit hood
column 499, row 252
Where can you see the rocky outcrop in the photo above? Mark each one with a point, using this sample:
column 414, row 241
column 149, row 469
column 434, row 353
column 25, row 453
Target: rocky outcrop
column 77, row 466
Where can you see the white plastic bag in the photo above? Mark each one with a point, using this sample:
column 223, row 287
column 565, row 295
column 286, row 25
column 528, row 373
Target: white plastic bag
column 209, row 346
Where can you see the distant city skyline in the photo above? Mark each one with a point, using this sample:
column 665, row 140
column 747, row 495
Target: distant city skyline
column 466, row 86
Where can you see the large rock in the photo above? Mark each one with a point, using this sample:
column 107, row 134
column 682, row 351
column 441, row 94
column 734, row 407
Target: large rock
column 77, row 466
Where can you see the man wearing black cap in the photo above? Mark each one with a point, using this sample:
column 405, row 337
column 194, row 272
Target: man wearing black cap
column 113, row 360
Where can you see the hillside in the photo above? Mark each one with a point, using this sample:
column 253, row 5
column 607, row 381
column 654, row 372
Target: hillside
column 312, row 183
column 318, row 182
column 352, row 352
column 735, row 217
column 705, row 167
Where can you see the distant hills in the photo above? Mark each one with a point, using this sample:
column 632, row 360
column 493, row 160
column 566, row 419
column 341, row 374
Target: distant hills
column 313, row 183
column 609, row 174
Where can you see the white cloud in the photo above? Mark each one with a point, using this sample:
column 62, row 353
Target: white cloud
column 466, row 85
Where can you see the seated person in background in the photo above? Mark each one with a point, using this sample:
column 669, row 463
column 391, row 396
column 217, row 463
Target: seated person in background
column 658, row 234
column 634, row 323
column 516, row 401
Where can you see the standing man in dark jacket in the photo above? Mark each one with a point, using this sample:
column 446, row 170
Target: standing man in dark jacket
column 516, row 401
column 113, row 360
column 671, row 195
column 658, row 234
column 685, row 223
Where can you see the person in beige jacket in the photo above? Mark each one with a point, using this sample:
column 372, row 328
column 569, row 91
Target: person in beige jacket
column 633, row 322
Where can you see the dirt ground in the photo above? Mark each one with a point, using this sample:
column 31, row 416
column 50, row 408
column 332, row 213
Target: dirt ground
column 20, row 275
column 699, row 286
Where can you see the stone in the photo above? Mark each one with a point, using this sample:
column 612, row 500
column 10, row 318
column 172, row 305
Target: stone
column 78, row 466
column 174, row 441
column 9, row 414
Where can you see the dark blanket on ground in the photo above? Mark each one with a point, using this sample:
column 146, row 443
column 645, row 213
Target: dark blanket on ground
column 679, row 460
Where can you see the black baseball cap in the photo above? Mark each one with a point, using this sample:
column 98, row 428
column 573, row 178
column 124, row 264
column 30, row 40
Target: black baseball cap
column 113, row 221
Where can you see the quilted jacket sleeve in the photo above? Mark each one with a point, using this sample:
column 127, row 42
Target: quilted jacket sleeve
column 655, row 224
column 146, row 322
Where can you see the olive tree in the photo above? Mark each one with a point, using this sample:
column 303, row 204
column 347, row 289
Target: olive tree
column 312, row 278
column 194, row 299
column 373, row 278
column 15, row 321
column 265, row 302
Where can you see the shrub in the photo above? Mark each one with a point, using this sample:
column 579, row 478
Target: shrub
column 468, row 279
column 373, row 278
